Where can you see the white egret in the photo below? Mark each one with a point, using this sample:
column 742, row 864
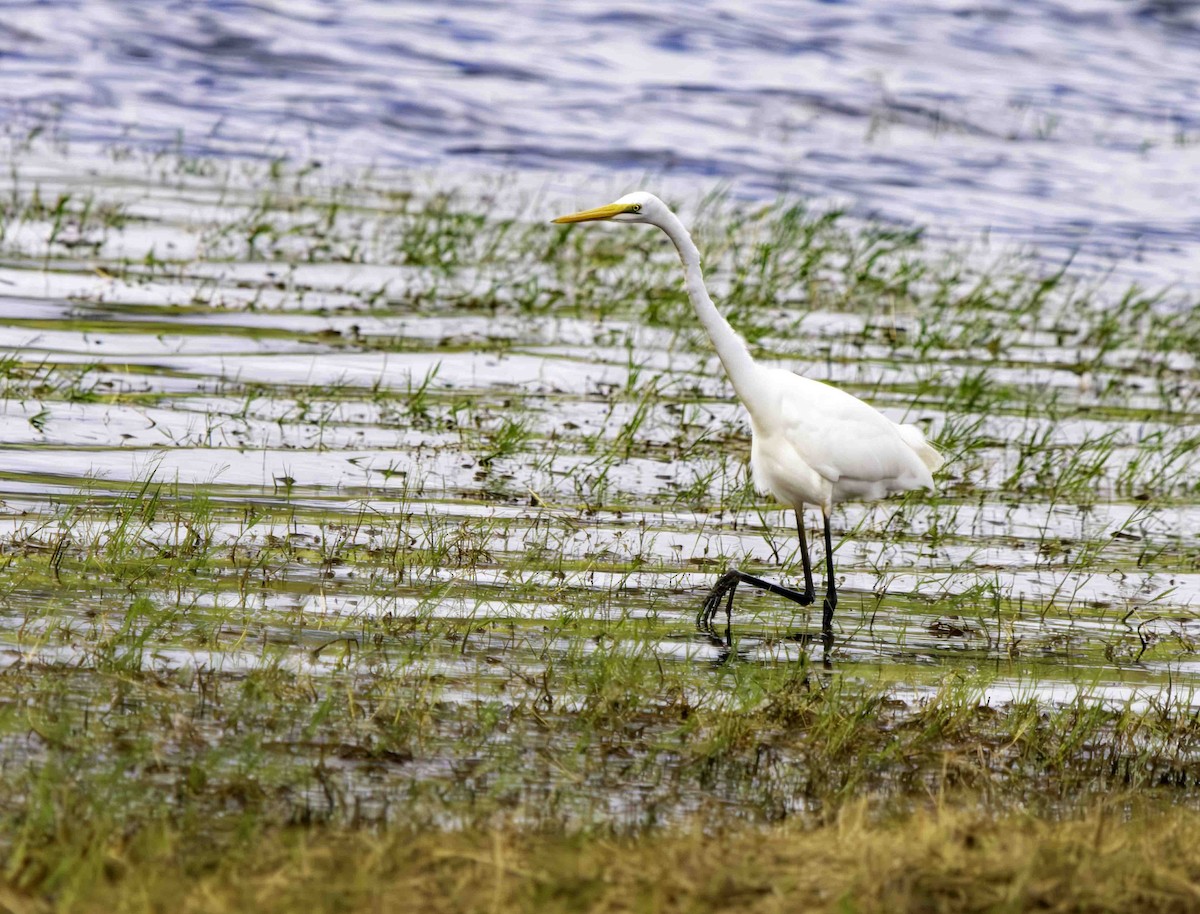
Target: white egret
column 811, row 444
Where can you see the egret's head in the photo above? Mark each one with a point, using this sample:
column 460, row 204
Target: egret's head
column 636, row 207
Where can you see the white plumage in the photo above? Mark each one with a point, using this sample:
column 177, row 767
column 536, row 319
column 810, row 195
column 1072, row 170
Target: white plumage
column 812, row 444
column 817, row 445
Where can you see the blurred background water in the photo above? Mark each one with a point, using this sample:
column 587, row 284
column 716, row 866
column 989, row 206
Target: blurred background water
column 1071, row 126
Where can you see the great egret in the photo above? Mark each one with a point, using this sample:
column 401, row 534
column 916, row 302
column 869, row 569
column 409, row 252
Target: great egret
column 811, row 444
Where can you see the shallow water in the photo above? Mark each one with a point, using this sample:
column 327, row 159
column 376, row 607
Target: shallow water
column 339, row 431
column 1069, row 126
column 599, row 459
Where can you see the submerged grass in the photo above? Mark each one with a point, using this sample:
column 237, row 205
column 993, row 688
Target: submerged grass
column 351, row 533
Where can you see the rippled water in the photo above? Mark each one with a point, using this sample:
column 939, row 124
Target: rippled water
column 1071, row 125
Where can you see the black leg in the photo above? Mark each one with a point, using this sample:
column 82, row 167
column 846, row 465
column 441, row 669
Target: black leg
column 830, row 587
column 727, row 584
column 809, row 590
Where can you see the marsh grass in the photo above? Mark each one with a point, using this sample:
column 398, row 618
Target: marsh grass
column 351, row 533
column 1118, row 856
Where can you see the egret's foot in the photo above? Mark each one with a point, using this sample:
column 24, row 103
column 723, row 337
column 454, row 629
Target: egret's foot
column 726, row 586
column 724, row 589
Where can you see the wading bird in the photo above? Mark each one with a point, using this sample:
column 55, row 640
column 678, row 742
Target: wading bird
column 811, row 444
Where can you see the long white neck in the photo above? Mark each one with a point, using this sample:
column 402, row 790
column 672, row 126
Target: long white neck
column 743, row 371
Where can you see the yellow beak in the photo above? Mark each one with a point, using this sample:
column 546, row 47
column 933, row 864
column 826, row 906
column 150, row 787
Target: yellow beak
column 592, row 215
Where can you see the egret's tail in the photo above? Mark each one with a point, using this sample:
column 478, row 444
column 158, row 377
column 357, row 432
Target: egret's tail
column 915, row 439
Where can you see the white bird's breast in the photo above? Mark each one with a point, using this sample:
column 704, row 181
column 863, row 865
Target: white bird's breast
column 777, row 470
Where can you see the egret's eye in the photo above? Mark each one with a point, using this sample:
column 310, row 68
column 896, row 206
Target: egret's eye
column 636, row 208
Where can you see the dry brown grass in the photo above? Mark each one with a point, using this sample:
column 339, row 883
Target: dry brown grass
column 1112, row 858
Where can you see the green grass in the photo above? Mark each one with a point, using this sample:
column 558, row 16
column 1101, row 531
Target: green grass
column 352, row 534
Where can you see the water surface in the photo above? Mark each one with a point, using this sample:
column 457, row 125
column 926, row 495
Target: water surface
column 1069, row 126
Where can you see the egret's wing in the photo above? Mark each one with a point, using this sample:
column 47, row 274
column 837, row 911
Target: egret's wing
column 915, row 439
column 839, row 435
